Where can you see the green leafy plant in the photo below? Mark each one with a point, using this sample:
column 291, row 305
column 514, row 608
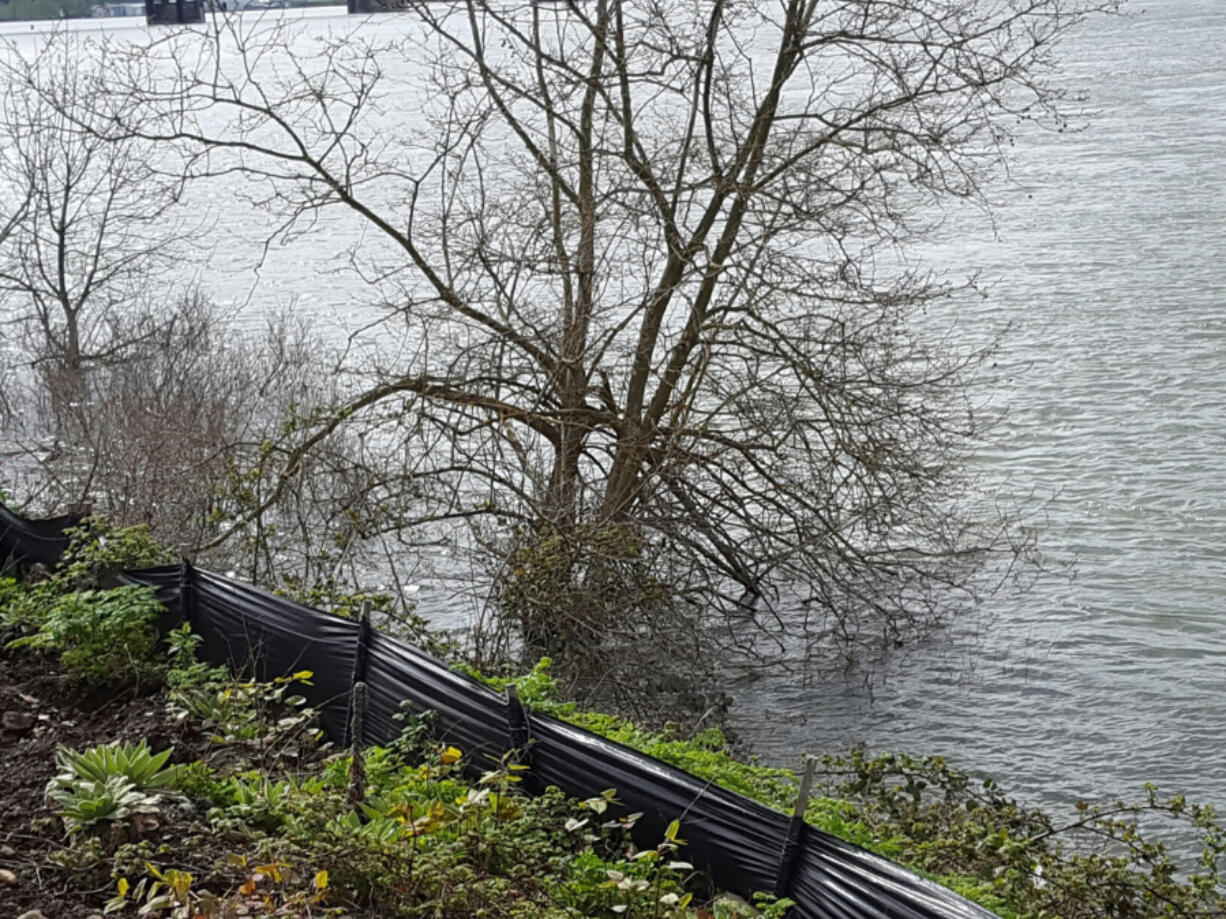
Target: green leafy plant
column 706, row 754
column 963, row 832
column 261, row 722
column 109, row 784
column 97, row 551
column 11, row 594
column 656, row 889
column 765, row 906
column 1022, row 862
column 187, row 671
column 23, row 606
column 86, row 805
column 197, row 781
column 429, row 840
column 416, row 738
column 256, row 800
column 103, row 637
column 143, row 769
column 163, row 891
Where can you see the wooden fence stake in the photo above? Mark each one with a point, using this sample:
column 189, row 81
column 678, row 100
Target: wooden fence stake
column 517, row 725
column 357, row 765
column 187, row 587
column 359, row 670
column 355, row 724
column 791, row 842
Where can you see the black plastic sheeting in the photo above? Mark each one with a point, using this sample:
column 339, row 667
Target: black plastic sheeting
column 32, row 542
column 739, row 843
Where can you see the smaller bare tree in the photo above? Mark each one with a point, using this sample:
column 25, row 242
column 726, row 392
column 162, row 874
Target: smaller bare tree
column 97, row 226
column 10, row 216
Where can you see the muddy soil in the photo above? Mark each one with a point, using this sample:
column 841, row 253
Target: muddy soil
column 39, row 711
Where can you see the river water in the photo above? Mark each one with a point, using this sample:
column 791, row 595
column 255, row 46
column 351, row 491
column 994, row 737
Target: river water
column 1107, row 263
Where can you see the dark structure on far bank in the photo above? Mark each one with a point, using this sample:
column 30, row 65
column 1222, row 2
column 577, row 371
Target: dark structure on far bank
column 172, row 12
column 394, row 6
column 378, row 6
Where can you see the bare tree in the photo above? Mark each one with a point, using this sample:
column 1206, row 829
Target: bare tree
column 85, row 284
column 137, row 399
column 157, row 433
column 97, row 230
column 649, row 265
column 12, row 214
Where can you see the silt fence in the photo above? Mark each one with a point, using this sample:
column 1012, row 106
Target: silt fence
column 742, row 845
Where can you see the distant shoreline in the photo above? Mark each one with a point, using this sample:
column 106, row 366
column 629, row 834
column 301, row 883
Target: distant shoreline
column 253, row 5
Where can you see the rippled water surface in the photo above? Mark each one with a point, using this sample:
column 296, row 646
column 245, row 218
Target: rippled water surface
column 1110, row 268
column 1108, row 264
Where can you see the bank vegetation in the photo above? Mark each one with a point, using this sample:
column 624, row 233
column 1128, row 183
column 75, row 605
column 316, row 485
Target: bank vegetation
column 144, row 780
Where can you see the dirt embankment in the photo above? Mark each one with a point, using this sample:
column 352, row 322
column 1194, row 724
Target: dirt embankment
column 38, row 712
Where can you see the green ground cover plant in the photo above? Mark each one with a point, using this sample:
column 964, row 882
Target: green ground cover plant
column 428, row 835
column 1106, row 861
column 253, row 813
column 103, row 637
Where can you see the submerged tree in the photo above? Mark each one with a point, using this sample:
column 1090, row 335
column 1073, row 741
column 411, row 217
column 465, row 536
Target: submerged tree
column 97, row 230
column 87, row 303
column 647, row 268
column 121, row 383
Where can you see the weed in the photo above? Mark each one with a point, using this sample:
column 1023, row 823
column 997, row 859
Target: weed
column 97, row 551
column 262, row 723
column 103, row 638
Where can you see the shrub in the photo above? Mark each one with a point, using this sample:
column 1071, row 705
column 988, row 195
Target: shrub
column 1104, row 862
column 103, row 638
column 97, row 551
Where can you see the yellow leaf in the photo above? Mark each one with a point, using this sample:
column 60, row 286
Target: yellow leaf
column 180, row 882
column 248, row 889
column 272, row 870
column 450, row 755
column 321, row 880
column 123, row 887
column 303, row 675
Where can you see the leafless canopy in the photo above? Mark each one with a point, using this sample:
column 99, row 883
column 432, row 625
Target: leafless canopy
column 93, row 226
column 645, row 265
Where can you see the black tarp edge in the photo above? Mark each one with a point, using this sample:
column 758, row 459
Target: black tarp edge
column 25, row 542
